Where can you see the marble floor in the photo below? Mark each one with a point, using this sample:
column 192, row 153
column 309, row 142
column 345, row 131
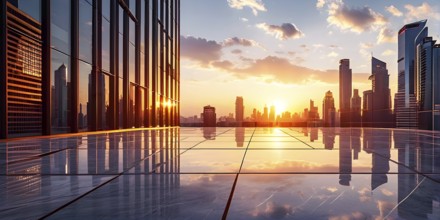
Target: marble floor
column 223, row 173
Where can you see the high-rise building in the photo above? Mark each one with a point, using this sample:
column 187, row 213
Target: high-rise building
column 119, row 60
column 313, row 118
column 209, row 116
column 239, row 111
column 345, row 78
column 356, row 101
column 381, row 114
column 265, row 113
column 328, row 110
column 427, row 75
column 367, row 109
column 405, row 104
column 272, row 113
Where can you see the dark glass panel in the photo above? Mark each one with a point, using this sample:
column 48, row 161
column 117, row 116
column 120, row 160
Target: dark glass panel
column 60, row 25
column 61, row 90
column 85, row 31
column 84, row 95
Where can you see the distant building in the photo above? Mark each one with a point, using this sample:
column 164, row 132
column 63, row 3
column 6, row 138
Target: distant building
column 313, row 118
column 427, row 73
column 367, row 109
column 345, row 78
column 209, row 116
column 272, row 113
column 239, row 111
column 328, row 110
column 265, row 114
column 405, row 104
column 381, row 113
column 356, row 102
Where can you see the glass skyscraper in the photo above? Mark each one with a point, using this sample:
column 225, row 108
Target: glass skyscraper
column 68, row 66
column 405, row 101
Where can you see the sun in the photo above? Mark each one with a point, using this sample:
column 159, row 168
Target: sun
column 280, row 106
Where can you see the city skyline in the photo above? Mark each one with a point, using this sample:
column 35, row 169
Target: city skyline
column 236, row 62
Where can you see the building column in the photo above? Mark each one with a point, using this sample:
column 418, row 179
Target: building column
column 3, row 73
column 74, row 84
column 46, row 67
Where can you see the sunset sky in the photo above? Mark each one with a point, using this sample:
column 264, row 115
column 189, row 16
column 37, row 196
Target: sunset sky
column 286, row 52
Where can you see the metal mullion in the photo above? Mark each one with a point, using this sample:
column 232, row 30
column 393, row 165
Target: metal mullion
column 74, row 66
column 3, row 75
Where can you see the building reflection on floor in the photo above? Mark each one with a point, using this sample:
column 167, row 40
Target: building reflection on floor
column 138, row 174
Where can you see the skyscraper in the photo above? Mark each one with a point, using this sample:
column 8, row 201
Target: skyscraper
column 209, row 116
column 328, row 110
column 381, row 97
column 272, row 113
column 239, row 111
column 265, row 113
column 367, row 109
column 356, row 101
column 427, row 81
column 345, row 77
column 119, row 60
column 405, row 102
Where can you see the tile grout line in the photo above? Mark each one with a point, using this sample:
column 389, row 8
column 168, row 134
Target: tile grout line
column 231, row 195
column 92, row 190
column 298, row 139
column 409, row 168
column 203, row 142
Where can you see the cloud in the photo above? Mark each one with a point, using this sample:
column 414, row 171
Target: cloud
column 254, row 5
column 386, row 35
column 273, row 211
column 233, row 41
column 244, row 19
column 394, row 11
column 332, row 54
column 365, row 49
column 320, row 3
column 200, row 50
column 389, row 53
column 236, row 51
column 354, row 19
column 281, row 70
column 283, row 32
column 421, row 12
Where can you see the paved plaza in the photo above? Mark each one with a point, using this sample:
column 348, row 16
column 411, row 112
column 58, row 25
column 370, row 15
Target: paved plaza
column 229, row 173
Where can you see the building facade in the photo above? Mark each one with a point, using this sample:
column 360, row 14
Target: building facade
column 209, row 116
column 345, row 78
column 356, row 102
column 85, row 65
column 381, row 113
column 328, row 110
column 239, row 111
column 405, row 104
column 427, row 76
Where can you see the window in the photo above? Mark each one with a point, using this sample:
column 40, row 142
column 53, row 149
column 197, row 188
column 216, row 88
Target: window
column 61, row 89
column 60, row 25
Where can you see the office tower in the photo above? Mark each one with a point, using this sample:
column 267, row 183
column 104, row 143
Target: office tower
column 381, row 115
column 20, row 73
column 345, row 76
column 328, row 110
column 209, row 116
column 272, row 113
column 367, row 109
column 265, row 114
column 405, row 102
column 313, row 118
column 119, row 60
column 356, row 118
column 239, row 111
column 427, row 81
